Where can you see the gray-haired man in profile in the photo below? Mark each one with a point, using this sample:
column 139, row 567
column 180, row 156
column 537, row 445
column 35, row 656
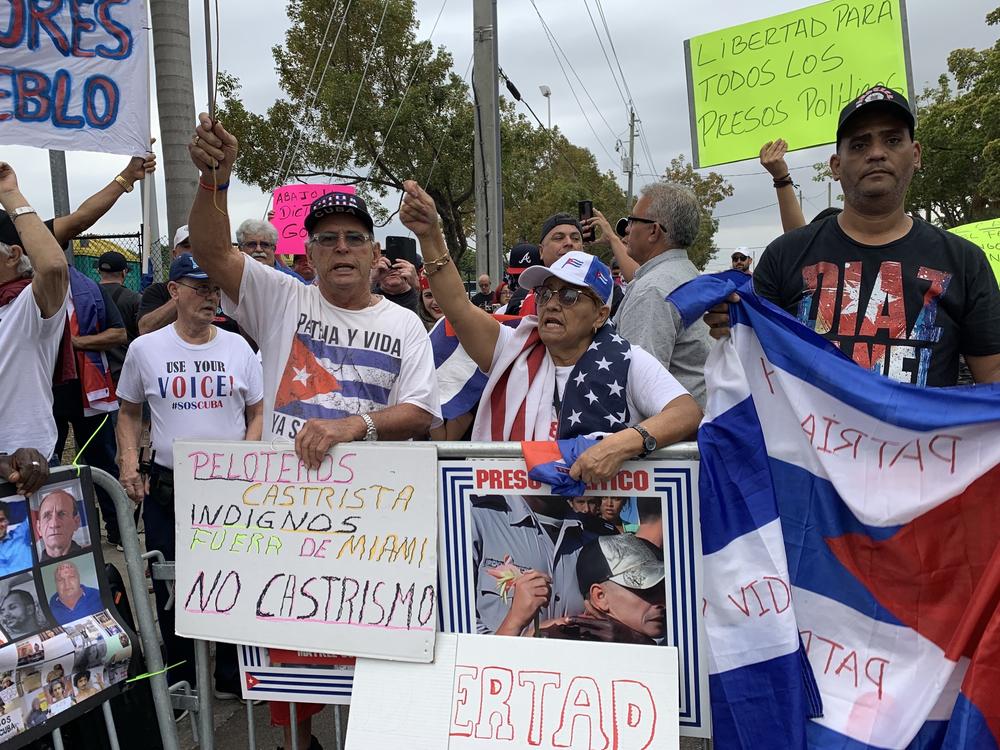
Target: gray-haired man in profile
column 663, row 225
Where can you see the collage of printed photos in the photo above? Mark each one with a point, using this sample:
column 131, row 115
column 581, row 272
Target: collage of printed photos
column 60, row 644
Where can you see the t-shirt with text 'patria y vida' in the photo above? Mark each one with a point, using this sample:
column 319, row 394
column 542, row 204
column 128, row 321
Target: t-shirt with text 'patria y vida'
column 325, row 362
column 194, row 390
column 906, row 309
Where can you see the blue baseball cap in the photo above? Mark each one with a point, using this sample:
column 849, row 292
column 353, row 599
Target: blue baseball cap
column 184, row 265
column 577, row 268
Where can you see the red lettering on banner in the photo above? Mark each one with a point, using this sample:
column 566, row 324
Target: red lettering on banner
column 778, row 596
column 530, row 708
column 767, row 374
column 828, row 435
column 847, row 664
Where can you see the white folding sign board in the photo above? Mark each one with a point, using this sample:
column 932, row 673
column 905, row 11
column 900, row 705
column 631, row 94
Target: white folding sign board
column 75, row 76
column 341, row 559
column 488, row 693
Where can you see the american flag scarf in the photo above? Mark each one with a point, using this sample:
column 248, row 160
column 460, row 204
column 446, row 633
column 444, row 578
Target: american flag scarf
column 519, row 395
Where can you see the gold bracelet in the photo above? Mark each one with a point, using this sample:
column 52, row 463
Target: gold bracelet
column 431, row 267
column 124, row 184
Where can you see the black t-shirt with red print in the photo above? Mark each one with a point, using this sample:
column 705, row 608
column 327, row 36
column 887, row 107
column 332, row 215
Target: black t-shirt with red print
column 905, row 310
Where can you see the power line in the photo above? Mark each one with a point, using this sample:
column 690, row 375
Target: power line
column 361, row 83
column 554, row 44
column 418, row 64
column 605, row 52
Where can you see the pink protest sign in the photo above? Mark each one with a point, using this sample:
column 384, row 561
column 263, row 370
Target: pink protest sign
column 291, row 206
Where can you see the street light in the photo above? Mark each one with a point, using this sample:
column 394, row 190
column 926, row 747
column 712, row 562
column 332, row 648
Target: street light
column 547, row 93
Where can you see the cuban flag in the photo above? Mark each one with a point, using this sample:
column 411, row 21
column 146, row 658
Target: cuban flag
column 851, row 533
column 460, row 382
column 549, row 462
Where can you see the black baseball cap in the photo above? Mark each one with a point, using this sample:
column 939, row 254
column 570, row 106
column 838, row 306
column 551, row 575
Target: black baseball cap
column 522, row 256
column 338, row 203
column 556, row 220
column 878, row 97
column 622, row 558
column 112, row 261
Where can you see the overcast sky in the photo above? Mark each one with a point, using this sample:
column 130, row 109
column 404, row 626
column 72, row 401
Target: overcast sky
column 649, row 40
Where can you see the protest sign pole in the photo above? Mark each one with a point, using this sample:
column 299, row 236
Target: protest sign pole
column 210, row 92
column 60, row 190
column 148, row 188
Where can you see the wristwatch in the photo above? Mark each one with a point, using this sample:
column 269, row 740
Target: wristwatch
column 125, row 185
column 21, row 211
column 371, row 433
column 648, row 441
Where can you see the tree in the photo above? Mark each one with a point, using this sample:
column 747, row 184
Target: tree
column 393, row 133
column 959, row 130
column 711, row 189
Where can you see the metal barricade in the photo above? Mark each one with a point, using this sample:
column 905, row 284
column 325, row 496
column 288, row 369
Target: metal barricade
column 145, row 620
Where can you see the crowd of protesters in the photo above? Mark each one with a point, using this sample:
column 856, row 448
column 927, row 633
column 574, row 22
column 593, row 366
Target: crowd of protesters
column 570, row 346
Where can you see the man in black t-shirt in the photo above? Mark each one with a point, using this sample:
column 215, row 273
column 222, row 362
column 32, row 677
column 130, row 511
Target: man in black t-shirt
column 901, row 297
column 484, row 296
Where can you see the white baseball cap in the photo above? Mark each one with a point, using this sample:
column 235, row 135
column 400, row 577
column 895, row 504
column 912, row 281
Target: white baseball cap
column 575, row 267
column 180, row 235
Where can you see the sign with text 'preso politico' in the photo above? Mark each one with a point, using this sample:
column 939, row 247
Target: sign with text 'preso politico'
column 493, row 693
column 341, row 559
column 291, row 206
column 75, row 75
column 789, row 76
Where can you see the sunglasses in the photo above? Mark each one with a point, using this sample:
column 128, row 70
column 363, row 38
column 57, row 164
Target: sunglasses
column 621, row 227
column 568, row 296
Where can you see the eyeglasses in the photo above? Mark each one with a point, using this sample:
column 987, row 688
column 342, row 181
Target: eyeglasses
column 202, row 290
column 622, row 225
column 330, row 240
column 262, row 244
column 567, row 295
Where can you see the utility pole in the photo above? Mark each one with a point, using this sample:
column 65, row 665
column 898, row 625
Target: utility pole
column 60, row 190
column 485, row 89
column 631, row 159
column 175, row 102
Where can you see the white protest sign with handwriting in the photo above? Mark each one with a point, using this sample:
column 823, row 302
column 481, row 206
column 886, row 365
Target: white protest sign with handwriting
column 341, row 559
column 500, row 692
column 75, row 76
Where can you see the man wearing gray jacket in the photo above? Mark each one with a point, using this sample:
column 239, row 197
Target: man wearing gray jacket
column 664, row 223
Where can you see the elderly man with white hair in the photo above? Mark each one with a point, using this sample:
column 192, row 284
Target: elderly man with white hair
column 663, row 225
column 33, row 285
column 259, row 239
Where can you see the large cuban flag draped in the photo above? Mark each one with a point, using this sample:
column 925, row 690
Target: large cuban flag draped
column 850, row 529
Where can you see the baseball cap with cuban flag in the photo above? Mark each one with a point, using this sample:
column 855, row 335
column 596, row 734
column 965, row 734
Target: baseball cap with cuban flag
column 577, row 268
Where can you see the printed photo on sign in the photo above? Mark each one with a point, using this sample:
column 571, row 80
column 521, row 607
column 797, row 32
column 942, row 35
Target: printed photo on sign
column 620, row 564
column 20, row 613
column 88, row 640
column 71, row 589
column 60, row 521
column 15, row 535
column 88, row 683
column 583, row 568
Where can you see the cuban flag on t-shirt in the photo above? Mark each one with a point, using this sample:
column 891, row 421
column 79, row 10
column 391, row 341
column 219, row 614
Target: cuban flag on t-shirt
column 326, row 381
column 851, row 537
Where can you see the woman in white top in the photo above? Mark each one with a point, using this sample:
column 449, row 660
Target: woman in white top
column 564, row 373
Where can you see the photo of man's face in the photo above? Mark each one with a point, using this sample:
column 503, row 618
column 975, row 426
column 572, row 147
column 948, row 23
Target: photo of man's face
column 58, row 520
column 641, row 610
column 18, row 614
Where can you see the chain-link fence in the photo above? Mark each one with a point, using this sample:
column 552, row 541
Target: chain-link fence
column 88, row 248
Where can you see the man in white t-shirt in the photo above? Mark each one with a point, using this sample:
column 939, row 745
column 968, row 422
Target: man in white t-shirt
column 33, row 285
column 340, row 363
column 200, row 382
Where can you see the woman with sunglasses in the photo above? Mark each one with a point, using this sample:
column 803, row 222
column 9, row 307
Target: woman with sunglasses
column 563, row 373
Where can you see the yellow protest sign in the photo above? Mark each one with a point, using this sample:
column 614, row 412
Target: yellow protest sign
column 986, row 234
column 789, row 76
